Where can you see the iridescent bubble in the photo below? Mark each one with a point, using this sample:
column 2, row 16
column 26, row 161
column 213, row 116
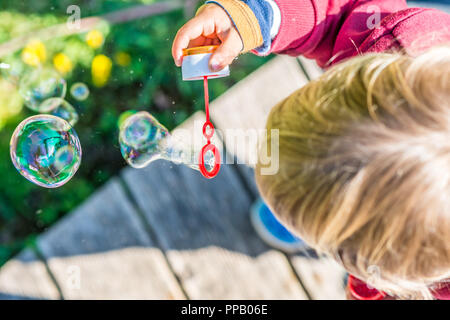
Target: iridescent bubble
column 79, row 91
column 40, row 85
column 143, row 139
column 63, row 109
column 46, row 150
column 11, row 71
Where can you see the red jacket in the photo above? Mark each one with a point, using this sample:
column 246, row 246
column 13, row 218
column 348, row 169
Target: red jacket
column 361, row 291
column 331, row 30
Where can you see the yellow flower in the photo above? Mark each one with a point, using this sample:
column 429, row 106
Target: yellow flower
column 34, row 53
column 123, row 59
column 94, row 39
column 101, row 70
column 62, row 63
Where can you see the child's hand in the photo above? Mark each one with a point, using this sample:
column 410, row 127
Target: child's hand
column 211, row 26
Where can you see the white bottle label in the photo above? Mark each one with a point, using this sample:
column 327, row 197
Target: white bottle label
column 195, row 67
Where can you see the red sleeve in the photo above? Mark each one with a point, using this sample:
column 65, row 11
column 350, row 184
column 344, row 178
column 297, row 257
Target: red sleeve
column 361, row 291
column 442, row 291
column 332, row 30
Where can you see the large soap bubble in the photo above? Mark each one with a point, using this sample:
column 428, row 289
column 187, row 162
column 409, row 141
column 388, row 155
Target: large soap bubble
column 40, row 85
column 46, row 150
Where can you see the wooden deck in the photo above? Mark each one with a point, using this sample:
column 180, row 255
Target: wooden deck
column 165, row 232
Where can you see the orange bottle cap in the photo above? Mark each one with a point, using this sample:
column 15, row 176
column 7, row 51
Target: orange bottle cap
column 199, row 50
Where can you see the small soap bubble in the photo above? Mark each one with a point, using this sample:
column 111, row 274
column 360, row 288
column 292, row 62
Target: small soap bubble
column 140, row 139
column 79, row 91
column 40, row 85
column 46, row 150
column 62, row 109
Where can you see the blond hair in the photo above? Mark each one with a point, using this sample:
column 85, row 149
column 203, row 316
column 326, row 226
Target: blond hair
column 364, row 172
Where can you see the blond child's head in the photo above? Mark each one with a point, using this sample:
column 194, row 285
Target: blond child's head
column 364, row 158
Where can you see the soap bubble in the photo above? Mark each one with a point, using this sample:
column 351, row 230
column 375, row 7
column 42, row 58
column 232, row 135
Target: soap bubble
column 46, row 150
column 140, row 139
column 39, row 85
column 11, row 71
column 143, row 139
column 63, row 109
column 79, row 91
column 5, row 71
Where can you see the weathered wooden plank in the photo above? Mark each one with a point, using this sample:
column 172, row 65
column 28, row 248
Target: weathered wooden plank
column 102, row 251
column 25, row 277
column 127, row 273
column 323, row 278
column 310, row 66
column 242, row 111
column 204, row 227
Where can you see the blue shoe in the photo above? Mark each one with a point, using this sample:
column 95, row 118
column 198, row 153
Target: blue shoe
column 272, row 231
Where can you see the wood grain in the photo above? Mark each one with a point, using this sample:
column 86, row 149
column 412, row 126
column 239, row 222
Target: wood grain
column 323, row 278
column 26, row 277
column 311, row 68
column 102, row 251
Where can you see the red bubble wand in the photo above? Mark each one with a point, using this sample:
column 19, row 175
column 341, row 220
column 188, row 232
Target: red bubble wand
column 208, row 132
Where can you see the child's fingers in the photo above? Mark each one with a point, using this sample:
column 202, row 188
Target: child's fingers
column 208, row 42
column 191, row 30
column 204, row 40
column 200, row 41
column 226, row 52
